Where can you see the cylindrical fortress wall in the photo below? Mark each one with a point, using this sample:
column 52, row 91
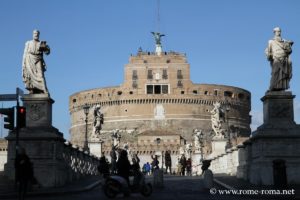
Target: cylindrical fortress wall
column 181, row 113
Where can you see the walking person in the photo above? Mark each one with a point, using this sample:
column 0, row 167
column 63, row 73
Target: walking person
column 189, row 167
column 168, row 161
column 154, row 163
column 24, row 172
column 183, row 164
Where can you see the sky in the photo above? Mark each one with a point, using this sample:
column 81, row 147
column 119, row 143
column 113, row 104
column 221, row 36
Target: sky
column 91, row 41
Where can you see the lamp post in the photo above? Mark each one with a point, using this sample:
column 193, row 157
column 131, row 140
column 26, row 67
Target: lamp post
column 86, row 112
column 157, row 143
column 201, row 146
column 228, row 144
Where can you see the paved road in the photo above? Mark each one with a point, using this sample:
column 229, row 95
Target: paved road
column 189, row 188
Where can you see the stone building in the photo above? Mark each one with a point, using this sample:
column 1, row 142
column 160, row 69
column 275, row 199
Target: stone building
column 3, row 153
column 157, row 95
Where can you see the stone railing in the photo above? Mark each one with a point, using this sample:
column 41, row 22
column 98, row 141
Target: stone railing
column 79, row 163
column 234, row 162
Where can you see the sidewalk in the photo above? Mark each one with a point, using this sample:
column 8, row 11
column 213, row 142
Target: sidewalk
column 233, row 183
column 8, row 191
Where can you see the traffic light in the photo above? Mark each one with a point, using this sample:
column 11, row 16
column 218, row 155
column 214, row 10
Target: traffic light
column 10, row 117
column 21, row 117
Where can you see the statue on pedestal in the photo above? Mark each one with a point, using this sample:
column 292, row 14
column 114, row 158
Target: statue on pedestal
column 34, row 66
column 217, row 119
column 278, row 53
column 116, row 137
column 98, row 120
column 157, row 37
column 197, row 138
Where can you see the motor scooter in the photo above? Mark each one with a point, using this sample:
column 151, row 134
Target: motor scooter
column 115, row 185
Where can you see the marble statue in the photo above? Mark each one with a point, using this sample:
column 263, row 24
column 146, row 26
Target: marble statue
column 33, row 66
column 116, row 137
column 278, row 53
column 217, row 119
column 98, row 120
column 157, row 37
column 188, row 150
column 181, row 150
column 197, row 138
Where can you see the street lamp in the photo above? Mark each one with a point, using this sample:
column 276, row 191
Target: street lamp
column 86, row 112
column 201, row 145
column 162, row 160
column 228, row 144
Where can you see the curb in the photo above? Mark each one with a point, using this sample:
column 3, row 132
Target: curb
column 54, row 193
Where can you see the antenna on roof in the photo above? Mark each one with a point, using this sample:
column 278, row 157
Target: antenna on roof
column 157, row 35
column 158, row 16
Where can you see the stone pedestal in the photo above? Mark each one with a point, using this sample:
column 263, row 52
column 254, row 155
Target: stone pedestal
column 43, row 143
column 218, row 147
column 38, row 110
column 95, row 147
column 274, row 157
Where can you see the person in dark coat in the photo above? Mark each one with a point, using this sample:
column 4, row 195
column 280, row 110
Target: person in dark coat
column 103, row 167
column 123, row 165
column 183, row 164
column 168, row 161
column 154, row 163
column 24, row 172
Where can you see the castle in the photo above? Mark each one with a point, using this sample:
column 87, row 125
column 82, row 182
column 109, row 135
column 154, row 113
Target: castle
column 157, row 100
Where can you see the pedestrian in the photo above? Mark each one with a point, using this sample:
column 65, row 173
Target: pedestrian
column 154, row 163
column 189, row 167
column 123, row 165
column 207, row 175
column 113, row 156
column 137, row 175
column 168, row 161
column 183, row 164
column 24, row 172
column 144, row 169
column 103, row 167
column 148, row 168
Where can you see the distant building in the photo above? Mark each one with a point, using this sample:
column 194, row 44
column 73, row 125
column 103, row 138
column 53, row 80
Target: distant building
column 3, row 153
column 157, row 96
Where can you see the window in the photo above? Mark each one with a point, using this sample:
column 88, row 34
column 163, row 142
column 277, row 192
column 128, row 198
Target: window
column 228, row 94
column 216, row 92
column 165, row 74
column 179, row 84
column 134, row 84
column 205, row 92
column 149, row 89
column 157, row 89
column 74, row 100
column 179, row 74
column 119, row 92
column 182, row 92
column 165, row 89
column 134, row 75
column 195, row 92
column 150, row 75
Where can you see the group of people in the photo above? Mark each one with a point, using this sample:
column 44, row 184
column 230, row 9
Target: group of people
column 184, row 166
column 121, row 166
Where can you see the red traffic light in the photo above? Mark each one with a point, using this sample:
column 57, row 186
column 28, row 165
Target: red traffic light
column 22, row 110
column 21, row 117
